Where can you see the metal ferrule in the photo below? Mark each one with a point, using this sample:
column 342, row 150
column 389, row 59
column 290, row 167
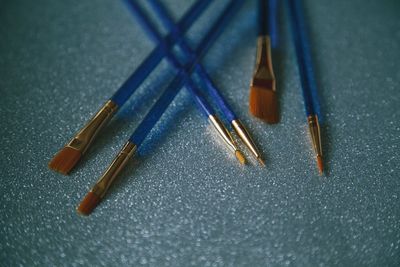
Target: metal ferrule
column 263, row 73
column 102, row 185
column 84, row 138
column 223, row 132
column 315, row 133
column 242, row 132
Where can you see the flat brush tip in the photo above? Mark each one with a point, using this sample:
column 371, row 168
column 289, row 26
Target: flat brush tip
column 65, row 160
column 88, row 204
column 263, row 104
column 239, row 155
column 320, row 165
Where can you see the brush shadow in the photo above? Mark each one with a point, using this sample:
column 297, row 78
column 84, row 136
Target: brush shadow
column 175, row 116
column 279, row 56
column 327, row 138
column 233, row 48
column 152, row 91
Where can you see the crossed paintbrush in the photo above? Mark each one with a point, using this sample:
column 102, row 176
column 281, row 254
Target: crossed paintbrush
column 183, row 78
column 263, row 100
column 67, row 158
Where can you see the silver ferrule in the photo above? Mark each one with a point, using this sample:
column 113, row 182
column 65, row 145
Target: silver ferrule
column 114, row 169
column 223, row 132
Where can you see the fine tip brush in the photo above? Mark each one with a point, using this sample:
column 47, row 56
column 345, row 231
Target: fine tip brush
column 212, row 89
column 67, row 158
column 307, row 78
column 263, row 102
column 99, row 190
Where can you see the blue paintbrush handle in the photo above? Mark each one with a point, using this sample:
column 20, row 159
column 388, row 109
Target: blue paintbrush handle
column 273, row 11
column 267, row 20
column 154, row 58
column 301, row 64
column 177, row 33
column 151, row 30
column 263, row 21
column 157, row 110
column 170, row 92
column 302, row 47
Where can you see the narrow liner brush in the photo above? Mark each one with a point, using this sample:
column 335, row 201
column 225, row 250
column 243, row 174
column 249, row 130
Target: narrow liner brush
column 67, row 158
column 201, row 102
column 99, row 190
column 237, row 125
column 263, row 102
column 308, row 84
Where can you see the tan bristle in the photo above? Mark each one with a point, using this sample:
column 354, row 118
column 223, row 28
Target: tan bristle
column 320, row 164
column 65, row 160
column 239, row 155
column 88, row 204
column 263, row 104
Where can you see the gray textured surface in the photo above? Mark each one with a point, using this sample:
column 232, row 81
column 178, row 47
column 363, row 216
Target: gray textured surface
column 184, row 202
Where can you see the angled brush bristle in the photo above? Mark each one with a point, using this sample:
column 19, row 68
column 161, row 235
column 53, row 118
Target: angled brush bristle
column 263, row 104
column 320, row 165
column 88, row 204
column 239, row 155
column 65, row 160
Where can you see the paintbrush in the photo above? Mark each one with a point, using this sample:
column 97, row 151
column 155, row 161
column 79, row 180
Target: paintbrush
column 99, row 190
column 263, row 102
column 67, row 158
column 308, row 84
column 201, row 102
column 212, row 89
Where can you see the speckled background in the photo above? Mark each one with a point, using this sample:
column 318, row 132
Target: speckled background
column 184, row 201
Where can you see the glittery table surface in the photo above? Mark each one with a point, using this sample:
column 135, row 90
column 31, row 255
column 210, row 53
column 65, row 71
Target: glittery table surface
column 184, row 201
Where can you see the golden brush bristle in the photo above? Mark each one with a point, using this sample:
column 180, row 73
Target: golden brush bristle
column 239, row 155
column 65, row 160
column 263, row 104
column 320, row 165
column 88, row 204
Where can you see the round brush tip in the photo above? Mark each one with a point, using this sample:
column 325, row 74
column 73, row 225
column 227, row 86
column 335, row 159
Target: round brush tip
column 239, row 155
